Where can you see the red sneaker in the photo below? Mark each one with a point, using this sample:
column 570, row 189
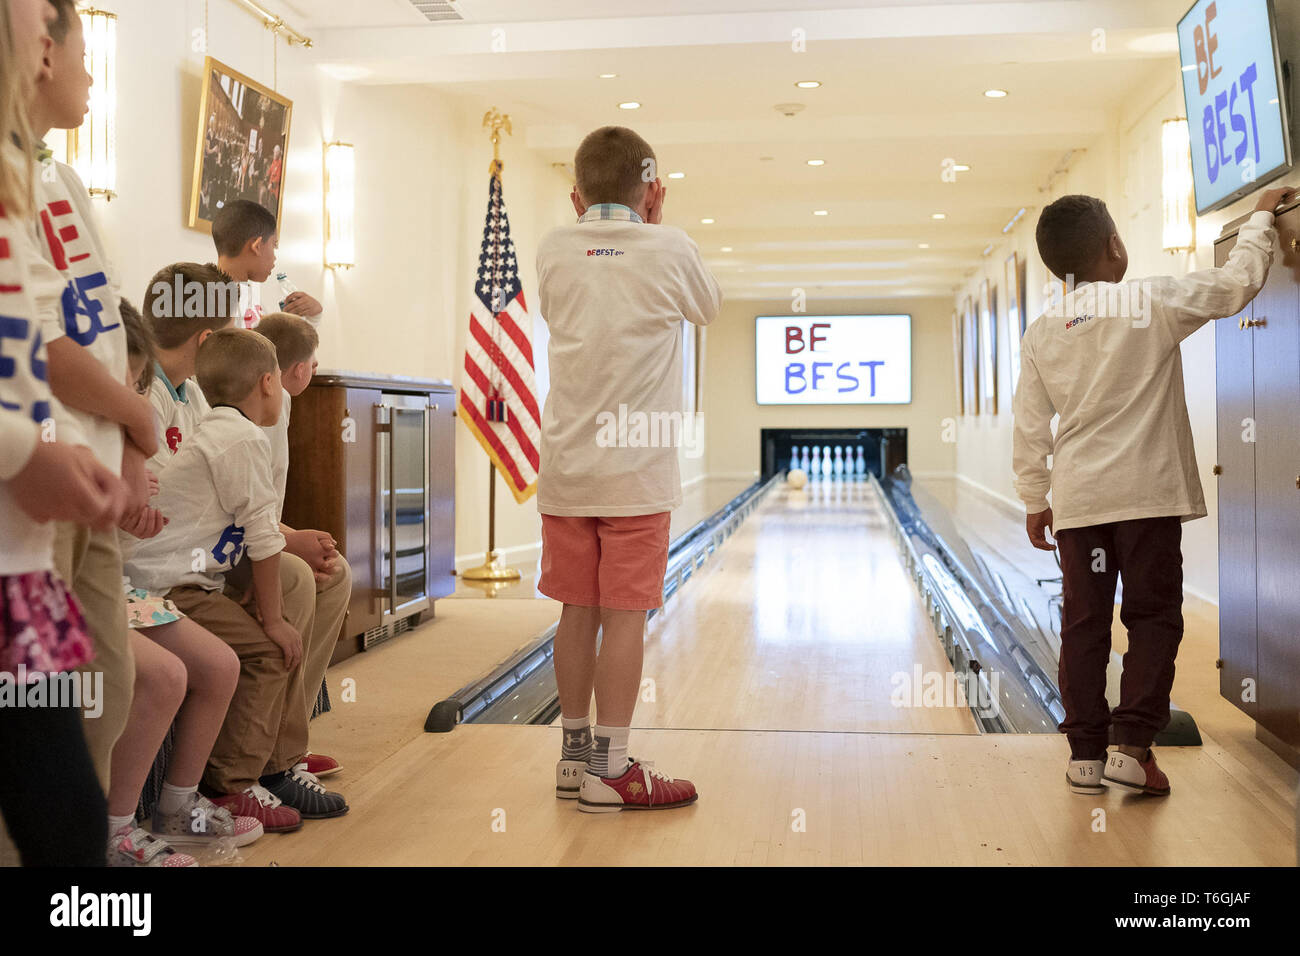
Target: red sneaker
column 318, row 765
column 1136, row 776
column 261, row 804
column 640, row 788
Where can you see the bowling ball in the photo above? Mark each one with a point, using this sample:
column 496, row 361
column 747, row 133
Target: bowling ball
column 796, row 478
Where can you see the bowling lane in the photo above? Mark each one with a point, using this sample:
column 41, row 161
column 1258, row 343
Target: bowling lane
column 800, row 622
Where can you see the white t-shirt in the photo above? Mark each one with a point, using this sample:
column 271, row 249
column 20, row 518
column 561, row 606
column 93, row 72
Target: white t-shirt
column 219, row 498
column 178, row 411
column 614, row 294
column 88, row 310
column 278, row 434
column 1107, row 360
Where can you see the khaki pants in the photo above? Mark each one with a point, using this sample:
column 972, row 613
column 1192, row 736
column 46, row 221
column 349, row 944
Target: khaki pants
column 331, row 605
column 91, row 564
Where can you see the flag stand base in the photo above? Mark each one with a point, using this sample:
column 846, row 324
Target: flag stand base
column 491, row 570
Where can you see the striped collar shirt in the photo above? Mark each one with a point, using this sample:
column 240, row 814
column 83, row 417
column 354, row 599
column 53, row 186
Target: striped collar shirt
column 610, row 210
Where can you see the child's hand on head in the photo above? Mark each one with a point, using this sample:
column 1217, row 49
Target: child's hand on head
column 655, row 196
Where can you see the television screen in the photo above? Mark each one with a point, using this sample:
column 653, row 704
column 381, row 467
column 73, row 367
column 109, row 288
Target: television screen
column 1236, row 113
column 833, row 359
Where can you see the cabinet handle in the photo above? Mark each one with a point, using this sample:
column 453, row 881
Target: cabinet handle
column 1295, row 244
column 1241, row 323
column 1217, row 470
column 1256, row 323
column 1297, row 481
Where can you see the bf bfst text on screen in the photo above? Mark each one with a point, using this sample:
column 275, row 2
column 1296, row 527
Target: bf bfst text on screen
column 833, row 359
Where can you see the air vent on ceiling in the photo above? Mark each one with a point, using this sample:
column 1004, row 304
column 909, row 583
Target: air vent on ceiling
column 435, row 10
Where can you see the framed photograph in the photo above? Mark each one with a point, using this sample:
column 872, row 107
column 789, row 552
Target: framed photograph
column 988, row 363
column 243, row 140
column 957, row 360
column 969, row 359
column 1014, row 285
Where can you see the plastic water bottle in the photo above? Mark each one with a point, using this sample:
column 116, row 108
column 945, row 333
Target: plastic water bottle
column 287, row 288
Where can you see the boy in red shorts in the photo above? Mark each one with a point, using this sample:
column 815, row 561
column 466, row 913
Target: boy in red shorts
column 614, row 289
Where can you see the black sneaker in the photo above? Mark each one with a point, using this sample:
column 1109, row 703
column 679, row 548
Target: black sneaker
column 301, row 790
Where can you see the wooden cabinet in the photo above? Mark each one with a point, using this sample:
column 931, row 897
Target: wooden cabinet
column 1258, row 380
column 372, row 461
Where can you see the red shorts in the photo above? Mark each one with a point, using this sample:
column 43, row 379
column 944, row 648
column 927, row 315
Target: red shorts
column 605, row 562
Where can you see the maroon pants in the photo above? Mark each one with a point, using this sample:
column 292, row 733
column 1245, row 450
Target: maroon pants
column 1147, row 554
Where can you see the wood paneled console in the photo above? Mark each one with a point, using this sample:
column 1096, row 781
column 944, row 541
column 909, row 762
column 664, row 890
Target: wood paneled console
column 372, row 461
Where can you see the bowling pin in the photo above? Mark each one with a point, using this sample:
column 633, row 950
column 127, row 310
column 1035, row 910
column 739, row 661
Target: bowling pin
column 860, row 466
column 839, row 462
column 803, row 461
column 815, row 470
column 826, row 461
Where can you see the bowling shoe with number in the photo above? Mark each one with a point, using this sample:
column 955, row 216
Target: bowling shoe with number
column 640, row 788
column 1136, row 776
column 1085, row 776
column 568, row 778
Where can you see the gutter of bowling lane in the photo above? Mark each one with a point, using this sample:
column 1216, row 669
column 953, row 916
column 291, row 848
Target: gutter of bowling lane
column 521, row 690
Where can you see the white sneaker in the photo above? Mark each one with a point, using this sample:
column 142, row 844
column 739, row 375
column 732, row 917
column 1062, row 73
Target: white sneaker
column 568, row 778
column 1085, row 776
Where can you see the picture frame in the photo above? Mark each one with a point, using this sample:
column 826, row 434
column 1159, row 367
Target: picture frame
column 988, row 363
column 957, row 365
column 242, row 144
column 970, row 363
column 1015, row 312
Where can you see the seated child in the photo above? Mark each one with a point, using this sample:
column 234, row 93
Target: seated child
column 616, row 324
column 295, row 342
column 175, row 293
column 182, row 672
column 1123, row 475
column 218, row 496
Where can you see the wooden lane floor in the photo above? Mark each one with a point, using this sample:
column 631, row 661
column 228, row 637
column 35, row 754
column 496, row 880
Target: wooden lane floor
column 804, row 620
column 772, row 685
column 484, row 795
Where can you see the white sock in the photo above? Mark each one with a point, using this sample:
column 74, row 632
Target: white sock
column 173, row 798
column 116, row 823
column 609, row 756
column 576, row 740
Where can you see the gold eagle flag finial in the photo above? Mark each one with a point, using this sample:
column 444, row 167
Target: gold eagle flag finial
column 496, row 121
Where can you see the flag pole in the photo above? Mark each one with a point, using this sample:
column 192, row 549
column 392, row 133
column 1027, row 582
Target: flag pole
column 492, row 568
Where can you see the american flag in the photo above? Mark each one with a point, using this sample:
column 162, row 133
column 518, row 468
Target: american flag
column 498, row 395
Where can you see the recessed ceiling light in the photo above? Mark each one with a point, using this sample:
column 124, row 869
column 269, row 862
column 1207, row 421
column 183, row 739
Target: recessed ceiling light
column 961, row 168
column 630, row 105
column 816, row 162
column 924, row 245
column 608, row 76
column 995, row 94
column 726, row 249
column 808, row 84
column 938, row 215
column 676, row 175
column 820, row 212
column 707, row 222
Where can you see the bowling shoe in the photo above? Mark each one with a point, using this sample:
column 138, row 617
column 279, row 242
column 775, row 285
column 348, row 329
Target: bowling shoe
column 640, row 788
column 1136, row 776
column 568, row 778
column 1085, row 776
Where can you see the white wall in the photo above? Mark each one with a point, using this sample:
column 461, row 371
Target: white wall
column 1123, row 167
column 422, row 179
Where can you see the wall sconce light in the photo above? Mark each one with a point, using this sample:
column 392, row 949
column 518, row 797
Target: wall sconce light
column 340, row 205
column 92, row 148
column 1178, row 233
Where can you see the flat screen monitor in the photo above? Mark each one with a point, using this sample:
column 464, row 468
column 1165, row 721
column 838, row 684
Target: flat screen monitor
column 833, row 359
column 1236, row 101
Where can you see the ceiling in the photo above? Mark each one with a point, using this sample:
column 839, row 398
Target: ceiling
column 902, row 91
